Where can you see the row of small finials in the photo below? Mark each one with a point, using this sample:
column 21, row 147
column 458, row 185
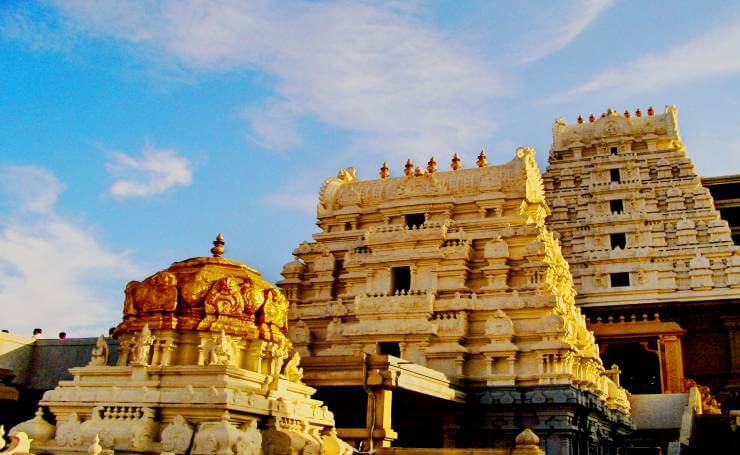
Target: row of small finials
column 409, row 169
column 638, row 113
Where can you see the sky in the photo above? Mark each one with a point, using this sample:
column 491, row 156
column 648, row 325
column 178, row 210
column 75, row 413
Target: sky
column 132, row 132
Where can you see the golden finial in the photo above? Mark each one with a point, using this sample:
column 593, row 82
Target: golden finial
column 651, row 111
column 482, row 161
column 456, row 162
column 384, row 171
column 591, row 118
column 638, row 112
column 579, row 119
column 218, row 246
column 408, row 169
column 627, row 113
column 432, row 165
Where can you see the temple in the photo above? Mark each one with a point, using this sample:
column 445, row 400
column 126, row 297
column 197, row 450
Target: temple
column 436, row 309
column 655, row 268
column 203, row 367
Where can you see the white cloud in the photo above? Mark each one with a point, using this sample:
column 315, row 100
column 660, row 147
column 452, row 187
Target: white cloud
column 54, row 273
column 29, row 188
column 712, row 54
column 305, row 203
column 154, row 172
column 372, row 69
column 564, row 28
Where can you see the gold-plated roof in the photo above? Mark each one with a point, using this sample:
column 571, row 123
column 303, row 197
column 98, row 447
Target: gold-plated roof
column 207, row 294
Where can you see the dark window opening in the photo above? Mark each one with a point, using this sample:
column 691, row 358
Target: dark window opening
column 415, row 219
column 401, row 279
column 614, row 175
column 614, row 150
column 675, row 172
column 618, row 240
column 389, row 348
column 639, row 365
column 350, row 404
column 620, row 279
column 337, row 287
column 616, row 206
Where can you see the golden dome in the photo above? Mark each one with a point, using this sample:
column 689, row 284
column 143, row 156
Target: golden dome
column 207, row 294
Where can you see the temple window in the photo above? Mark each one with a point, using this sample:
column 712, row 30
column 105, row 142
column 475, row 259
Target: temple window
column 639, row 363
column 400, row 278
column 614, row 150
column 415, row 219
column 389, row 348
column 619, row 279
column 616, row 206
column 614, row 175
column 618, row 239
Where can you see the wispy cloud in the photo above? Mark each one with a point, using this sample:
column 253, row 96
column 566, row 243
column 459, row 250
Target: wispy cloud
column 714, row 53
column 155, row 171
column 305, row 203
column 49, row 264
column 29, row 188
column 564, row 28
column 371, row 69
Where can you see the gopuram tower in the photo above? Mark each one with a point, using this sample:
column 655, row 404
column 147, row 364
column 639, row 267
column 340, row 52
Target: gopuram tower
column 435, row 309
column 203, row 367
column 654, row 265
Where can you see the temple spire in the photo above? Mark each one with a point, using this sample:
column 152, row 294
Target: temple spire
column 218, row 246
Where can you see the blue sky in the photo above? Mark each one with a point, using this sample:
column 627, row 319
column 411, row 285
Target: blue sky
column 132, row 132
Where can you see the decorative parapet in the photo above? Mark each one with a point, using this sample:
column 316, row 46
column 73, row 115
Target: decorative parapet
column 613, row 127
column 413, row 303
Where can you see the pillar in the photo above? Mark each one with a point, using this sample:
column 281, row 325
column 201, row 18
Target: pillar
column 672, row 358
column 732, row 323
column 380, row 404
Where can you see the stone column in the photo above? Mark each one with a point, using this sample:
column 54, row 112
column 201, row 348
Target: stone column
column 380, row 403
column 672, row 363
column 732, row 323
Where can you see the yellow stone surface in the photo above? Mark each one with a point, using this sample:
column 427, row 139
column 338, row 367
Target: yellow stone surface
column 204, row 367
column 489, row 301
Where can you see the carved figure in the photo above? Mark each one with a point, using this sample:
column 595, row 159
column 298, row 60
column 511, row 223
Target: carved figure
column 221, row 351
column 300, row 333
column 334, row 329
column 251, row 296
column 250, row 443
column 177, row 435
column 194, row 291
column 143, row 342
column 99, row 353
column 225, row 298
column 129, row 305
column 273, row 316
column 160, row 293
column 291, row 370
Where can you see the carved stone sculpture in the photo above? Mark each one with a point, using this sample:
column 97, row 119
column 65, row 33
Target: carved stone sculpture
column 177, row 435
column 99, row 354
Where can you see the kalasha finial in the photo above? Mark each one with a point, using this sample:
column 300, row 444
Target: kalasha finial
column 218, row 246
column 651, row 111
column 455, row 162
column 408, row 169
column 627, row 113
column 482, row 161
column 638, row 112
column 580, row 119
column 385, row 172
column 432, row 165
column 591, row 118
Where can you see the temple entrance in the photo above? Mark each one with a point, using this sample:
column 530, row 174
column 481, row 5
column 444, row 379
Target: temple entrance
column 639, row 363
